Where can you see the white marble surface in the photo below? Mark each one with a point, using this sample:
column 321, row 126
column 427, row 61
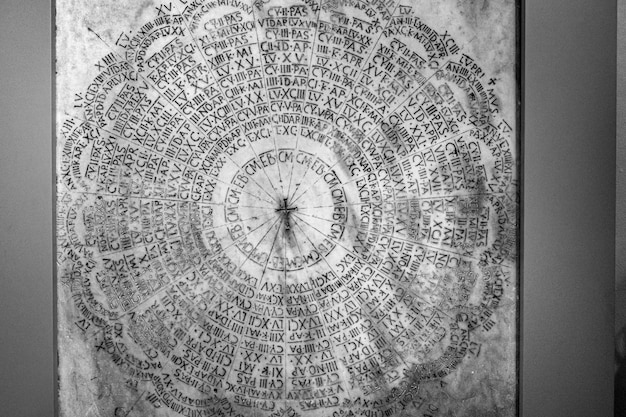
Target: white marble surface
column 287, row 209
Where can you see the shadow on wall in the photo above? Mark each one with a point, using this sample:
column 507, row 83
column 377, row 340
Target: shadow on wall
column 620, row 374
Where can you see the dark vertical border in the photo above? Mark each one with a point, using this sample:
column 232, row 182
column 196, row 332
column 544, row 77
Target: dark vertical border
column 620, row 238
column 569, row 208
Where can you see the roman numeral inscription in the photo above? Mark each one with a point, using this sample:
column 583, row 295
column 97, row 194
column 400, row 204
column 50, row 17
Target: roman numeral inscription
column 287, row 208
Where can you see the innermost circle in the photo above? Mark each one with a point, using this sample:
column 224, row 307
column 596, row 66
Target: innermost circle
column 287, row 201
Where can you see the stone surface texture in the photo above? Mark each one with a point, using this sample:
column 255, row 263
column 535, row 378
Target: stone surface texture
column 287, row 208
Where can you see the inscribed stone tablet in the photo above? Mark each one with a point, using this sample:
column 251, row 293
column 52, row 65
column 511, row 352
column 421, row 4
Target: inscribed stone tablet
column 287, row 208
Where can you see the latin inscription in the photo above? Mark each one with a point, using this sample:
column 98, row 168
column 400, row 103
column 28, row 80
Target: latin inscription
column 303, row 208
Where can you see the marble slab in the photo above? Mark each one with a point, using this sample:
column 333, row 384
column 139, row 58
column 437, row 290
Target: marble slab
column 287, row 208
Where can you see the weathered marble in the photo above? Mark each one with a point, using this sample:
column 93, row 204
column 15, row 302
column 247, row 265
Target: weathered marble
column 292, row 208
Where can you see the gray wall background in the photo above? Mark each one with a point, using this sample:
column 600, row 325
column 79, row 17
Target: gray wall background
column 568, row 235
column 26, row 265
column 620, row 238
column 620, row 242
column 568, row 264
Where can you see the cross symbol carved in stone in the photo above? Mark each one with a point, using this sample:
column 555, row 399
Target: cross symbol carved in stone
column 285, row 210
